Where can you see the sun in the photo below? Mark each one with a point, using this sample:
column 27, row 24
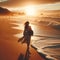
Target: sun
column 30, row 10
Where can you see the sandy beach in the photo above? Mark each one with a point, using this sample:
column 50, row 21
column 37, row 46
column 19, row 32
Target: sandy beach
column 21, row 20
column 10, row 49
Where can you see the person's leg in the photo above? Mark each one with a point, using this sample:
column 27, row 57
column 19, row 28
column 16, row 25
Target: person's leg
column 28, row 44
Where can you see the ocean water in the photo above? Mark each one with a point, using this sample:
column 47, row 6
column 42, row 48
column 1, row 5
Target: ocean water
column 47, row 41
column 48, row 46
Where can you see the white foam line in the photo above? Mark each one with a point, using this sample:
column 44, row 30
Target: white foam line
column 16, row 28
column 15, row 23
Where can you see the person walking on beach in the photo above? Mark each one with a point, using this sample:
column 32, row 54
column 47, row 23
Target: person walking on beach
column 28, row 32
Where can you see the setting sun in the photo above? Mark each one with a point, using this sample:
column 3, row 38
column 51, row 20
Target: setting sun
column 30, row 10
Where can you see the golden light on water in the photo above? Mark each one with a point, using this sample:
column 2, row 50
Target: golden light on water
column 30, row 10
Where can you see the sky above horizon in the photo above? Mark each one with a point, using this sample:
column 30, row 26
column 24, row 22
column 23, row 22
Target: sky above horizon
column 40, row 4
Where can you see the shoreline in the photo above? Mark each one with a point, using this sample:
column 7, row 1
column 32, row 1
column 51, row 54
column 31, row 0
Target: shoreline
column 42, row 54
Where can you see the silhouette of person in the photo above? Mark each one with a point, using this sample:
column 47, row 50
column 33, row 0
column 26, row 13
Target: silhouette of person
column 28, row 32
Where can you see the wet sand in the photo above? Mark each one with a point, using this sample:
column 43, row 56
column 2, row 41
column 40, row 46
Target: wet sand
column 10, row 49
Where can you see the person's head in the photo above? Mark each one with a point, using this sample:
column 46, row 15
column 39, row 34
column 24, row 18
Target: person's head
column 27, row 23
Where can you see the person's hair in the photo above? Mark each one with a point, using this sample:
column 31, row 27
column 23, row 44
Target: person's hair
column 27, row 23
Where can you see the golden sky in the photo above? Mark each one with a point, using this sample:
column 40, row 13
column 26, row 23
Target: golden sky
column 44, row 4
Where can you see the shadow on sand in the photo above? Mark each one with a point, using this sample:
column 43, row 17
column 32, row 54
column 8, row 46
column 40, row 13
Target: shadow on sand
column 26, row 56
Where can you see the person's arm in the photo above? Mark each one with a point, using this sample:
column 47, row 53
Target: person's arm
column 30, row 31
